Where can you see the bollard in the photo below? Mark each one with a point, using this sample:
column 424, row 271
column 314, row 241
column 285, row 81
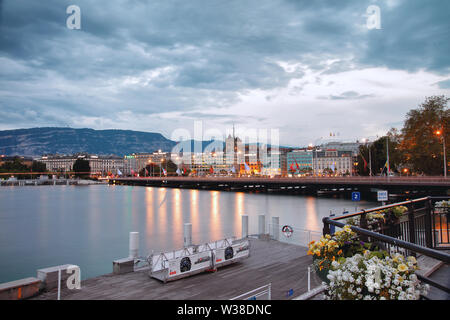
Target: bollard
column 244, row 226
column 261, row 224
column 187, row 234
column 134, row 244
column 309, row 279
column 332, row 226
column 275, row 227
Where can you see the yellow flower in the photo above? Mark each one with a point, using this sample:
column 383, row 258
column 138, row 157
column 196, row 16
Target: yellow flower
column 412, row 259
column 402, row 267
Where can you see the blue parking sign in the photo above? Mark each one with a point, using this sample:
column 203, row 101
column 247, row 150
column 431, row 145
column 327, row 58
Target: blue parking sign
column 356, row 196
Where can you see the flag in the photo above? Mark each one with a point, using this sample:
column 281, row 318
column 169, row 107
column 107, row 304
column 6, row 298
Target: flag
column 386, row 165
column 119, row 172
column 184, row 170
column 298, row 168
column 292, row 167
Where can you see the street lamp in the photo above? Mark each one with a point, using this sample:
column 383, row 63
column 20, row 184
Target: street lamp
column 440, row 133
column 162, row 160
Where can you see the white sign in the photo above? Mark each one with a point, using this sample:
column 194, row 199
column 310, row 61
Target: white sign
column 382, row 195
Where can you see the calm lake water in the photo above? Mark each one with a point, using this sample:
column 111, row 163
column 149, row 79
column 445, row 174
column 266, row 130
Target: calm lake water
column 42, row 226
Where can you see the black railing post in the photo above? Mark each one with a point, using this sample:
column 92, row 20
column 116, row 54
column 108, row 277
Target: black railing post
column 363, row 225
column 411, row 224
column 428, row 224
column 326, row 226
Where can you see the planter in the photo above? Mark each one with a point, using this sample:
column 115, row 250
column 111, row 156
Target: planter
column 322, row 274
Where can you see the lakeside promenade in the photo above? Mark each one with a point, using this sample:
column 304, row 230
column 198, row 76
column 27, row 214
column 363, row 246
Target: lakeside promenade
column 283, row 265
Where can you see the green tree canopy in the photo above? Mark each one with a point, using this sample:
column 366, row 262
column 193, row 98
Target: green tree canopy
column 378, row 155
column 422, row 147
column 81, row 168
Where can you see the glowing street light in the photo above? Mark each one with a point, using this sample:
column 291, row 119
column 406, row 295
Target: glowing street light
column 440, row 133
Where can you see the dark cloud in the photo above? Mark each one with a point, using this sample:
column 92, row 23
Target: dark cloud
column 348, row 95
column 150, row 57
column 445, row 84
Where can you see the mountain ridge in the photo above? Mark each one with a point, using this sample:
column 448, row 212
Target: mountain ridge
column 66, row 140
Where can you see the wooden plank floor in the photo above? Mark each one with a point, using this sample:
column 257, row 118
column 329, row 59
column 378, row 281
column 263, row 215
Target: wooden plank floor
column 283, row 265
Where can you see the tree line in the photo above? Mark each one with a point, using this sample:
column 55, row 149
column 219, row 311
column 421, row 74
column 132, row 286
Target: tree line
column 417, row 148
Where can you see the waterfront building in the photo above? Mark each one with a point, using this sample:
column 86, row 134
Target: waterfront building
column 300, row 162
column 102, row 165
column 352, row 147
column 138, row 161
column 332, row 162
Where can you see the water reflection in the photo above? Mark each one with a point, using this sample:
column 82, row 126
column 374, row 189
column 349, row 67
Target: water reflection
column 177, row 221
column 89, row 226
column 162, row 211
column 238, row 212
column 312, row 220
column 194, row 215
column 149, row 214
column 215, row 226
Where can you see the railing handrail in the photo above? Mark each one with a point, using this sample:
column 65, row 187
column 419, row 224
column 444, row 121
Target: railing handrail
column 382, row 208
column 397, row 242
column 267, row 290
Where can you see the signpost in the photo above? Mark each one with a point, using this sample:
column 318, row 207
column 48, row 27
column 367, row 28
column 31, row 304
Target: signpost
column 382, row 195
column 356, row 196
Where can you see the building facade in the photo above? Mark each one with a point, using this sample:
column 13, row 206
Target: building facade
column 101, row 165
column 332, row 162
column 300, row 162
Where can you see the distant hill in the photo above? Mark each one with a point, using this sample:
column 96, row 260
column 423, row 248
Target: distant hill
column 39, row 141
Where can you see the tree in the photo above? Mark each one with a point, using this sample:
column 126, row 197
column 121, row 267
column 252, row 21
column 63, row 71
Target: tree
column 38, row 166
column 171, row 167
column 378, row 155
column 82, row 168
column 421, row 145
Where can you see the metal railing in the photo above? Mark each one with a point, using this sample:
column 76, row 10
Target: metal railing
column 298, row 236
column 413, row 235
column 424, row 223
column 255, row 294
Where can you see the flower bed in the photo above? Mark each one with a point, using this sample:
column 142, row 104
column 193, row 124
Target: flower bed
column 353, row 269
column 344, row 243
column 374, row 277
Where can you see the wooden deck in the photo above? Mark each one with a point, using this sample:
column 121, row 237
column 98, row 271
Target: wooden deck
column 283, row 265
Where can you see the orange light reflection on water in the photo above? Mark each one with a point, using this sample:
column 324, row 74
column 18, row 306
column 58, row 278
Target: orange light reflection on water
column 162, row 210
column 216, row 228
column 312, row 215
column 194, row 214
column 238, row 212
column 177, row 223
column 150, row 218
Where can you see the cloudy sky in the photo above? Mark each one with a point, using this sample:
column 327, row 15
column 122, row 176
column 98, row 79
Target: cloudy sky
column 305, row 68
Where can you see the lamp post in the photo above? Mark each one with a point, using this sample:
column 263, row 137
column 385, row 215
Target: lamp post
column 439, row 133
column 160, row 167
column 368, row 145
